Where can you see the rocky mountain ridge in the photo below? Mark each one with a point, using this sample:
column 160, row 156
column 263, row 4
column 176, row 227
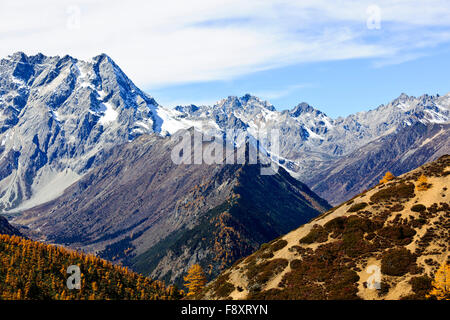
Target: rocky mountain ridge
column 158, row 217
column 60, row 115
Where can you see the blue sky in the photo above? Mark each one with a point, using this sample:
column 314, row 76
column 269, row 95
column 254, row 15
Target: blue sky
column 341, row 56
column 337, row 88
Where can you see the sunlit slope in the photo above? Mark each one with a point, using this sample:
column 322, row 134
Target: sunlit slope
column 33, row 270
column 396, row 234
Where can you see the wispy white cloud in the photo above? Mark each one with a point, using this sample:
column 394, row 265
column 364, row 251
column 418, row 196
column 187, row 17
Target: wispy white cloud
column 162, row 43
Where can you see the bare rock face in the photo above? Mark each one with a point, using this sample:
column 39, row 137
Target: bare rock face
column 142, row 209
column 57, row 117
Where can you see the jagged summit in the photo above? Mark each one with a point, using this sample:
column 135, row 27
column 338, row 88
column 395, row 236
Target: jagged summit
column 18, row 56
column 333, row 154
column 247, row 101
column 303, row 108
column 187, row 109
column 21, row 56
column 102, row 56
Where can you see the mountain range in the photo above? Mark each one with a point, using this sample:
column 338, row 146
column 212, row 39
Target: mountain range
column 85, row 161
column 59, row 116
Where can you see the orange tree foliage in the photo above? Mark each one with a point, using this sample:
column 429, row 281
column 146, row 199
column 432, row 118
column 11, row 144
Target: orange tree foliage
column 195, row 279
column 34, row 270
column 422, row 183
column 441, row 283
column 387, row 177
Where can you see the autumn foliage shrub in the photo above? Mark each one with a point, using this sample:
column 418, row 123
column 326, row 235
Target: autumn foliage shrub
column 261, row 273
column 398, row 191
column 336, row 225
column 357, row 206
column 296, row 263
column 222, row 287
column 396, row 262
column 343, row 287
column 422, row 183
column 387, row 177
column 399, row 234
column 421, row 286
column 317, row 234
column 418, row 208
column 278, row 245
column 397, row 208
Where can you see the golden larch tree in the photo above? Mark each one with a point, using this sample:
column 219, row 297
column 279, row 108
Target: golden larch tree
column 441, row 283
column 195, row 279
column 388, row 176
column 422, row 183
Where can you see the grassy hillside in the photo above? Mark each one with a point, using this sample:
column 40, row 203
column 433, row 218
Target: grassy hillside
column 398, row 230
column 33, row 270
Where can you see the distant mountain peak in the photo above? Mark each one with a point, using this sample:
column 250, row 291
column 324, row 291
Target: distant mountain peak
column 246, row 100
column 251, row 99
column 305, row 108
column 246, row 97
column 404, row 96
column 18, row 56
column 93, row 104
column 189, row 108
column 402, row 99
column 102, row 56
column 301, row 108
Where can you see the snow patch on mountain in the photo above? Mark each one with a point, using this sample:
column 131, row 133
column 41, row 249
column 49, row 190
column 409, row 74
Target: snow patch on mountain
column 48, row 186
column 109, row 114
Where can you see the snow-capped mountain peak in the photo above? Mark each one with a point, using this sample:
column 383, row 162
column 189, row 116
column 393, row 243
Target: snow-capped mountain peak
column 57, row 117
column 60, row 115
